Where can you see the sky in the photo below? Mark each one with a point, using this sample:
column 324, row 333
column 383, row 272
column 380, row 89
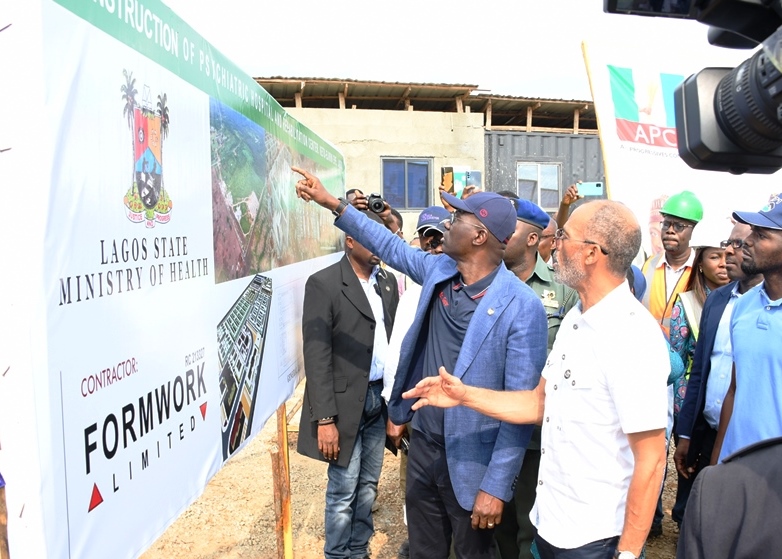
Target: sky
column 526, row 48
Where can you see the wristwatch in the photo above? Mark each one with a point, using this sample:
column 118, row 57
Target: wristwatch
column 624, row 555
column 341, row 208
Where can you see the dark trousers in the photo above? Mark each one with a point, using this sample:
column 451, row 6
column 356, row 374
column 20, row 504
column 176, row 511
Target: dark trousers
column 515, row 534
column 701, row 447
column 701, row 456
column 683, row 487
column 434, row 516
column 600, row 549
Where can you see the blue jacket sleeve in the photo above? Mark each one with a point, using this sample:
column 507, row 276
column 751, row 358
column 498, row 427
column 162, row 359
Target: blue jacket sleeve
column 390, row 248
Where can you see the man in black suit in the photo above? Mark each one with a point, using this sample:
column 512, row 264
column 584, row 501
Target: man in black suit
column 700, row 413
column 349, row 310
column 733, row 505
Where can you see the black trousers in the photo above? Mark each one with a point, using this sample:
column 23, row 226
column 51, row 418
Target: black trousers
column 434, row 516
column 515, row 534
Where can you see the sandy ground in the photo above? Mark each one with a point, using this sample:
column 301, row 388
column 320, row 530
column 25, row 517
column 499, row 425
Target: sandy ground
column 234, row 518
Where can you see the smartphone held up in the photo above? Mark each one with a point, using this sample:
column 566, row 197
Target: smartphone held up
column 590, row 188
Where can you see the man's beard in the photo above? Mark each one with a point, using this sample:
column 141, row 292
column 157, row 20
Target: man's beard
column 567, row 272
column 748, row 267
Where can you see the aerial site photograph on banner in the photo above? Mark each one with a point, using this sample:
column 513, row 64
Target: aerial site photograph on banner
column 174, row 260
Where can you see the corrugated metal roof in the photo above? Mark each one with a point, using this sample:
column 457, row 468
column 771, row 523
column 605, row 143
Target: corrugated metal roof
column 551, row 113
column 440, row 97
column 325, row 93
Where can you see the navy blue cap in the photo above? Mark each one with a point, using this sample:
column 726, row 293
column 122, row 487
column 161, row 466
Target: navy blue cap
column 770, row 217
column 531, row 213
column 432, row 218
column 495, row 212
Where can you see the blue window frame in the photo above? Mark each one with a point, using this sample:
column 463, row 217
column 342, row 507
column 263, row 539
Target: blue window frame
column 407, row 182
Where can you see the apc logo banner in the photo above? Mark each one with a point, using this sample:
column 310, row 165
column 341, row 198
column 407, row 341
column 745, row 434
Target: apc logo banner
column 643, row 106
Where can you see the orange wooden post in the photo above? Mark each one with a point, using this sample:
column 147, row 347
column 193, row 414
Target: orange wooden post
column 282, row 488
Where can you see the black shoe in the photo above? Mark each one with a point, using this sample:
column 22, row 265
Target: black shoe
column 404, row 550
column 656, row 530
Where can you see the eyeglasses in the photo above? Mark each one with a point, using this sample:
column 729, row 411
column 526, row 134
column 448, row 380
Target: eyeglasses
column 454, row 218
column 735, row 243
column 678, row 226
column 561, row 235
column 432, row 243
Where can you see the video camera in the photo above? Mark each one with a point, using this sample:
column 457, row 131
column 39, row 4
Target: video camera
column 728, row 119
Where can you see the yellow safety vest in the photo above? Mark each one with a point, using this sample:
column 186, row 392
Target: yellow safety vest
column 655, row 296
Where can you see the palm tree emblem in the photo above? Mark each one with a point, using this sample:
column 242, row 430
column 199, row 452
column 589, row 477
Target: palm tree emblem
column 162, row 111
column 146, row 200
column 129, row 93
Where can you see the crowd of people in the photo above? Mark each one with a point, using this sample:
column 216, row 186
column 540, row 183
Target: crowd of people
column 533, row 390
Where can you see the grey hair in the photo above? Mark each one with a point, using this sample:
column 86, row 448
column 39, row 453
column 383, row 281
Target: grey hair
column 618, row 232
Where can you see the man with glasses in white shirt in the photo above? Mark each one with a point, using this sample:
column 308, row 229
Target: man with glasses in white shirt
column 603, row 410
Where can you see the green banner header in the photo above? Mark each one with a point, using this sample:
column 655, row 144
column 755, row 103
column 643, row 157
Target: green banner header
column 155, row 31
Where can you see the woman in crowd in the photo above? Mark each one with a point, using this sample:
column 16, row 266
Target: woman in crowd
column 708, row 273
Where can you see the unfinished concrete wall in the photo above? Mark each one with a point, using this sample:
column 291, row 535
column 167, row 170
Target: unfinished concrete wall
column 364, row 137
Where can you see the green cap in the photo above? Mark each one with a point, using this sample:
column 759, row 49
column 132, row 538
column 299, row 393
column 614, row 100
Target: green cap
column 684, row 205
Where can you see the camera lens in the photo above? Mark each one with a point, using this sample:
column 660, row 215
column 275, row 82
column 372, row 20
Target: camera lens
column 376, row 203
column 747, row 104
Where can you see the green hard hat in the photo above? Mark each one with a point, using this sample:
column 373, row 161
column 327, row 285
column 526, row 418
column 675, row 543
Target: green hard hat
column 684, row 205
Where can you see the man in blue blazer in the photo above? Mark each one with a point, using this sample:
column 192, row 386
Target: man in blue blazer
column 480, row 322
column 700, row 413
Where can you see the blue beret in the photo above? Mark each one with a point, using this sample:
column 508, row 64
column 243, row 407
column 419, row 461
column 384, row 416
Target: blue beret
column 531, row 213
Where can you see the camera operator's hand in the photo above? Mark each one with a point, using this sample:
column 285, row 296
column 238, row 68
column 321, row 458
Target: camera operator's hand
column 310, row 188
column 359, row 201
column 387, row 218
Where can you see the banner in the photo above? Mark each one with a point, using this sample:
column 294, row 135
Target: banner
column 633, row 95
column 167, row 279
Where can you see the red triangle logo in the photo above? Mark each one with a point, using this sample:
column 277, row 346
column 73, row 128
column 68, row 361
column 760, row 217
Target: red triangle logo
column 96, row 498
column 203, row 410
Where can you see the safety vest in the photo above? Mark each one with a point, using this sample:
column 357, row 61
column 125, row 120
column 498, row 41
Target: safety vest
column 655, row 298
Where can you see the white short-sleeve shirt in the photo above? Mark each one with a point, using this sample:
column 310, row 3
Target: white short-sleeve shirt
column 605, row 377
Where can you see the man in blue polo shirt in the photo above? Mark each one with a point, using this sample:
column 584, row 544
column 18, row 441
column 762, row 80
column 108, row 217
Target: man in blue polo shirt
column 752, row 410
